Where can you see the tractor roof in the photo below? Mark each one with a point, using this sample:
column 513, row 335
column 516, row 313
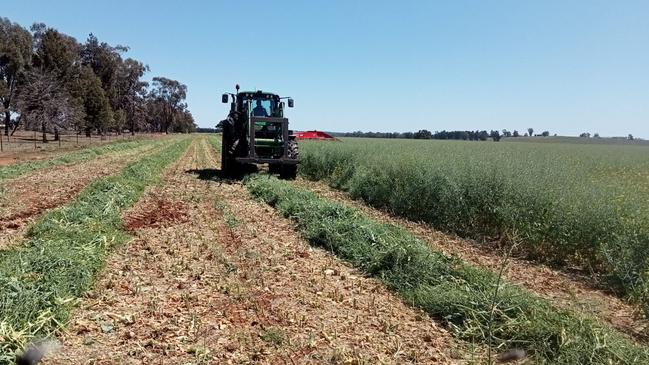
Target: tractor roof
column 258, row 94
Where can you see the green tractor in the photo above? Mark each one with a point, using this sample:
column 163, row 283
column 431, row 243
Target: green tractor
column 256, row 132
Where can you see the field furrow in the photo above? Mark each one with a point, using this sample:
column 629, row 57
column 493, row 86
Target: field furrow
column 24, row 198
column 20, row 168
column 475, row 304
column 214, row 276
column 42, row 280
column 562, row 289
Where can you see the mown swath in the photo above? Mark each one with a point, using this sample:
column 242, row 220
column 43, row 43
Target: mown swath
column 447, row 288
column 40, row 281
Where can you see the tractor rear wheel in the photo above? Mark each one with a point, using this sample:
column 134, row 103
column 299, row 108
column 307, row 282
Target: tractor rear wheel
column 289, row 172
column 293, row 152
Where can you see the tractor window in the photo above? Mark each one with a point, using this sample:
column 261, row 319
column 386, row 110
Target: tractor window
column 262, row 108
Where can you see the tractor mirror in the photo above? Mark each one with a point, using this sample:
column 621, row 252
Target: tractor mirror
column 224, row 98
column 290, row 103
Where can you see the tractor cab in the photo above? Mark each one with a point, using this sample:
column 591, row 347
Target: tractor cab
column 266, row 113
column 258, row 131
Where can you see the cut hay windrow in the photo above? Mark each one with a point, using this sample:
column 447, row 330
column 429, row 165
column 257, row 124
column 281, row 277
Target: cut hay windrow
column 41, row 280
column 14, row 170
column 447, row 288
column 578, row 206
column 215, row 142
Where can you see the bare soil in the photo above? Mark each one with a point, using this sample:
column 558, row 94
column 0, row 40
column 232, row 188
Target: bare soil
column 158, row 212
column 24, row 198
column 233, row 283
column 562, row 289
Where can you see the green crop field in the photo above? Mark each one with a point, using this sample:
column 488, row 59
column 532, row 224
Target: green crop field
column 564, row 204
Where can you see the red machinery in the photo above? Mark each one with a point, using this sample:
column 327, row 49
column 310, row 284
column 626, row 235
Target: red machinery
column 319, row 135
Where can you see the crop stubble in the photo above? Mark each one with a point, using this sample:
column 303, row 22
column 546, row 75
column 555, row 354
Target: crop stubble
column 233, row 282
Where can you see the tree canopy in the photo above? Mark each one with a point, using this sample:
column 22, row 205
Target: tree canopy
column 51, row 82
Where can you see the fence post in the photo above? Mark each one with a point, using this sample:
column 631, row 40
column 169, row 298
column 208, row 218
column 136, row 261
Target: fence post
column 34, row 139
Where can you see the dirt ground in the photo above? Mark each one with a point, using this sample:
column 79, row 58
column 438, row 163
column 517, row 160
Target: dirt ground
column 24, row 198
column 564, row 290
column 213, row 276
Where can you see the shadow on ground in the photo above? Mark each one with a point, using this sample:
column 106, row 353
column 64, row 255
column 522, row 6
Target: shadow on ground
column 220, row 175
column 209, row 174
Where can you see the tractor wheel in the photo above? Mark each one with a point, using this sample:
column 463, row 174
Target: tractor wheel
column 289, row 172
column 293, row 152
column 225, row 147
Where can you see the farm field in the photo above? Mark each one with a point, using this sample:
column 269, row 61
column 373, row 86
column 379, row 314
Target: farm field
column 577, row 207
column 429, row 182
column 153, row 256
column 24, row 197
column 23, row 146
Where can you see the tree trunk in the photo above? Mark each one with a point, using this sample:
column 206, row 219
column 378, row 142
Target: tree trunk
column 7, row 120
column 16, row 125
column 44, row 135
column 132, row 121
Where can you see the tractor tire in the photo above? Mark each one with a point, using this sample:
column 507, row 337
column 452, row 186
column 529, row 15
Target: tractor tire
column 226, row 146
column 289, row 172
column 293, row 152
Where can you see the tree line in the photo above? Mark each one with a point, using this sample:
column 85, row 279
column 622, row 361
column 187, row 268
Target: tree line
column 50, row 82
column 483, row 135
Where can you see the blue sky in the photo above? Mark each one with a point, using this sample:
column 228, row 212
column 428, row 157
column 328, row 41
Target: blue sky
column 562, row 66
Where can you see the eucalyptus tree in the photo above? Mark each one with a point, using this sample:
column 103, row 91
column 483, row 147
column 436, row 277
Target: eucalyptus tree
column 169, row 96
column 15, row 59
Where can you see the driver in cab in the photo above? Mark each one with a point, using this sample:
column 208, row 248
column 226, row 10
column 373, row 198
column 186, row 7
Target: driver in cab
column 259, row 110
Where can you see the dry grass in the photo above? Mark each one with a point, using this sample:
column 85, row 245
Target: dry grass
column 42, row 280
column 235, row 284
column 26, row 197
column 21, row 146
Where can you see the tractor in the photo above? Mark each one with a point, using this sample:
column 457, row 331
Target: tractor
column 256, row 132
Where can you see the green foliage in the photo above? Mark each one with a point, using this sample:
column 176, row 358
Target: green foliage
column 99, row 89
column 15, row 54
column 14, row 170
column 168, row 107
column 98, row 113
column 41, row 280
column 447, row 288
column 568, row 204
column 273, row 335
